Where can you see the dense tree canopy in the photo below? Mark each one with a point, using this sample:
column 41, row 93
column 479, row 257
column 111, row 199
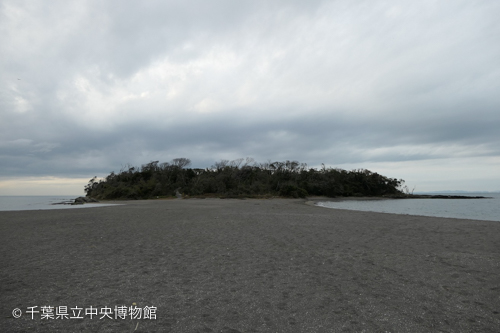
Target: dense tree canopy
column 239, row 178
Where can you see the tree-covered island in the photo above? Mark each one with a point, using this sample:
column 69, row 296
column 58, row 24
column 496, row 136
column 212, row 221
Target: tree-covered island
column 240, row 178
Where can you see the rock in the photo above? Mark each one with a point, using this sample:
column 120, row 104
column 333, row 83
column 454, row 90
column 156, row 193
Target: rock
column 82, row 200
column 63, row 203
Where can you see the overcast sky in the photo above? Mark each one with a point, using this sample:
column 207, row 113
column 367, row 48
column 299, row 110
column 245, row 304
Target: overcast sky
column 409, row 89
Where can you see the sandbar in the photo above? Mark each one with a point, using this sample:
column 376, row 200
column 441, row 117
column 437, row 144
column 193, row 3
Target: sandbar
column 255, row 265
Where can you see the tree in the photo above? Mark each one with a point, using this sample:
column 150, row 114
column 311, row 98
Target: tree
column 238, row 178
column 181, row 162
column 91, row 185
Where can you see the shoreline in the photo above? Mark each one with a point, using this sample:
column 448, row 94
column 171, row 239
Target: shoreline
column 261, row 265
column 449, row 210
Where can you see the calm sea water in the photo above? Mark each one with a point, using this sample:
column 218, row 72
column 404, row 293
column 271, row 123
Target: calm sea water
column 475, row 209
column 41, row 202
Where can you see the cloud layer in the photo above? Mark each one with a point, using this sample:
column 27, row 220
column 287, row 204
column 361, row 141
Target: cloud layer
column 89, row 86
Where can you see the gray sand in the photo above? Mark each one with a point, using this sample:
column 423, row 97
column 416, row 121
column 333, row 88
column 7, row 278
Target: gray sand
column 250, row 266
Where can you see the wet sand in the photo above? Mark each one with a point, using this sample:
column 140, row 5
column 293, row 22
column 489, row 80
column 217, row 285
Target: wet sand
column 275, row 265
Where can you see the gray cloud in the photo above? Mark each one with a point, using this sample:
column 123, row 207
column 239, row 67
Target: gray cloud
column 90, row 86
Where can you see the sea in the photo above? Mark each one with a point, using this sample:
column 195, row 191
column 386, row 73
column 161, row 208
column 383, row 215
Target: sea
column 43, row 202
column 476, row 209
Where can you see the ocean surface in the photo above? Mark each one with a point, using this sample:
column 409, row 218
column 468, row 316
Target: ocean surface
column 42, row 202
column 475, row 209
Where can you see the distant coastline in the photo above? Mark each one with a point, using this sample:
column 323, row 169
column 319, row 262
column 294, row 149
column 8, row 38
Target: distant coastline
column 439, row 196
column 454, row 192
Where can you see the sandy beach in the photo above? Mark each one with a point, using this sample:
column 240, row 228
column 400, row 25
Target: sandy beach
column 271, row 265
